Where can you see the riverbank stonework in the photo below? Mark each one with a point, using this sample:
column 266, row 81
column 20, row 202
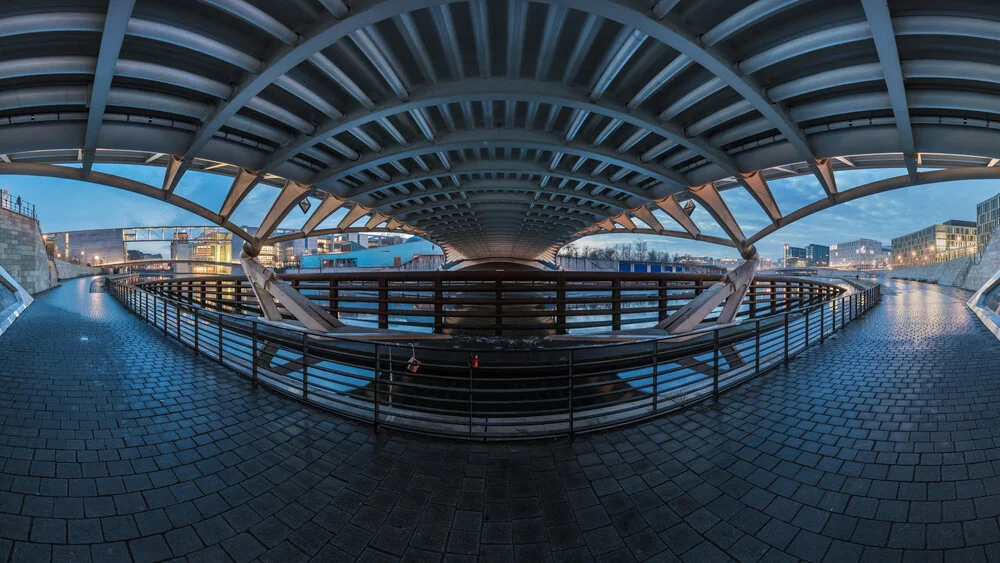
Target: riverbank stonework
column 69, row 270
column 22, row 252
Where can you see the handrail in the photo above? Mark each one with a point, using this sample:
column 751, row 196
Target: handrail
column 494, row 303
column 17, row 205
column 487, row 394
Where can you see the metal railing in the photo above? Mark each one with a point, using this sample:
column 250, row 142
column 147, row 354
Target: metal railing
column 498, row 303
column 494, row 394
column 14, row 203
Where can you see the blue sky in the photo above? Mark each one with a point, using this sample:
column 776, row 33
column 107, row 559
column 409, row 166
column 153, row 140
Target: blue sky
column 71, row 205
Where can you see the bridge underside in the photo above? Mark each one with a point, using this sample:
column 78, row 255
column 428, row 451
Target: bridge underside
column 500, row 129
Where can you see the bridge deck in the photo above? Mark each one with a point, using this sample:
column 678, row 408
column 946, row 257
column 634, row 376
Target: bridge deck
column 117, row 444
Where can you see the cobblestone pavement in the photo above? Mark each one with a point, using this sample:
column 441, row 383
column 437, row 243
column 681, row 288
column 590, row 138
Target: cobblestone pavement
column 117, row 444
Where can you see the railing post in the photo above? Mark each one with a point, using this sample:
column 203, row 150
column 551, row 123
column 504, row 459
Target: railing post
column 561, row 305
column 571, row 392
column 843, row 312
column 786, row 339
column 334, row 303
column 807, row 329
column 383, row 303
column 305, row 366
column 822, row 323
column 253, row 354
column 661, row 306
column 498, row 308
column 378, row 370
column 178, row 319
column 164, row 317
column 470, row 396
column 438, row 306
column 715, row 368
column 616, row 303
column 756, row 345
column 773, row 305
column 196, row 323
column 220, row 338
column 656, row 376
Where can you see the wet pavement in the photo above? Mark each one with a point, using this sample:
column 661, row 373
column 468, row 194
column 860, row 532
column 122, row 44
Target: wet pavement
column 119, row 444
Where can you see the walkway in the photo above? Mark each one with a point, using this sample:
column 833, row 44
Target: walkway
column 118, row 444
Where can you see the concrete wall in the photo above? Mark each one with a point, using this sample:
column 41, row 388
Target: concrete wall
column 22, row 252
column 68, row 270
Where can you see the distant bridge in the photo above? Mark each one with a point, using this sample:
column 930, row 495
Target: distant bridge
column 163, row 261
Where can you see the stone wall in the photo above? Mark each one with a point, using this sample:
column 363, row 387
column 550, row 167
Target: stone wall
column 22, row 252
column 68, row 270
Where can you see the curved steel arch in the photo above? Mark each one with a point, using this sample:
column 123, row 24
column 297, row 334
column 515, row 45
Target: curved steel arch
column 494, row 89
column 337, row 94
column 880, row 186
column 528, row 168
column 476, row 185
column 524, row 140
column 118, row 182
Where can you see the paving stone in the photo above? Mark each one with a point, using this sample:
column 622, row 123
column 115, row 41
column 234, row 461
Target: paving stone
column 856, row 450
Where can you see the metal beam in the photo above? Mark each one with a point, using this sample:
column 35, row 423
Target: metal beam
column 290, row 196
column 115, row 23
column 646, row 216
column 670, row 206
column 243, row 183
column 524, row 90
column 710, row 198
column 828, row 180
column 877, row 12
column 881, row 186
column 352, row 216
column 462, row 140
column 593, row 187
column 474, row 185
column 712, row 60
column 757, row 186
column 172, row 174
column 118, row 182
column 326, row 208
column 323, row 34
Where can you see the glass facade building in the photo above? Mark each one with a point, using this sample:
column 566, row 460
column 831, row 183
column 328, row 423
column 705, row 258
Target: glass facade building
column 987, row 219
column 811, row 256
column 863, row 252
column 817, row 255
column 210, row 247
column 794, row 257
column 937, row 243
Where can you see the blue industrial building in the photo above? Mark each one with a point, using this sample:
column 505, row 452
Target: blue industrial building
column 382, row 257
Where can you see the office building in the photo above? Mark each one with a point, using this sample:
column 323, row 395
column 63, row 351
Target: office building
column 936, row 243
column 96, row 246
column 210, row 247
column 864, row 253
column 987, row 219
column 817, row 255
column 794, row 257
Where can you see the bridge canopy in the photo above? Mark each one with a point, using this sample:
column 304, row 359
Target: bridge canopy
column 501, row 129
